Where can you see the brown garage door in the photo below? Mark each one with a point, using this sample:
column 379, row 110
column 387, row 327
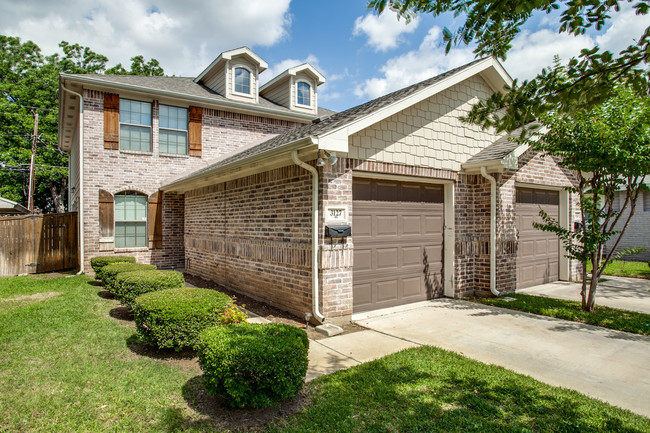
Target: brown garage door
column 397, row 231
column 538, row 253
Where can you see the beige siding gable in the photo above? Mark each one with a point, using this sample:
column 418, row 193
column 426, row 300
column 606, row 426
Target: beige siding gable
column 429, row 133
column 301, row 76
column 237, row 62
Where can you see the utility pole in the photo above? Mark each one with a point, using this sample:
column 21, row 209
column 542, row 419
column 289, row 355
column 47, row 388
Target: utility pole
column 30, row 199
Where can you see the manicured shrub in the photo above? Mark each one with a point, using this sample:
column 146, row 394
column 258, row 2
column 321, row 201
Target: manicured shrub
column 98, row 263
column 173, row 319
column 130, row 285
column 253, row 365
column 110, row 273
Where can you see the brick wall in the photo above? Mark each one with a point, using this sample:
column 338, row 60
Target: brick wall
column 120, row 170
column 253, row 235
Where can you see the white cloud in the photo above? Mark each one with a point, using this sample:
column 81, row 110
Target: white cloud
column 184, row 36
column 283, row 65
column 427, row 61
column 385, row 31
column 626, row 29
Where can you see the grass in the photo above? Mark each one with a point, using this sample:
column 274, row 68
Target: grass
column 622, row 268
column 70, row 363
column 613, row 318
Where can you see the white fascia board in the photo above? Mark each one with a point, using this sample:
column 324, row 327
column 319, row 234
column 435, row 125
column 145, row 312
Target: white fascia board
column 320, row 78
column 227, row 55
column 207, row 102
column 207, row 70
column 423, row 94
column 337, row 142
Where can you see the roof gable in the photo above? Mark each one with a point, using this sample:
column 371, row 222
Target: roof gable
column 218, row 63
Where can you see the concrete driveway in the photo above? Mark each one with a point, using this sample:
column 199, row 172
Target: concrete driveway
column 609, row 365
column 618, row 292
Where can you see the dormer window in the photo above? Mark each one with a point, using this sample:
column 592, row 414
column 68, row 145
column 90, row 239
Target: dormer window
column 303, row 94
column 242, row 81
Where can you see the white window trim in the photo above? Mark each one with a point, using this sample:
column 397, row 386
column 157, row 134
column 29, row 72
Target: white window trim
column 311, row 89
column 146, row 220
column 151, row 105
column 250, row 82
column 186, row 130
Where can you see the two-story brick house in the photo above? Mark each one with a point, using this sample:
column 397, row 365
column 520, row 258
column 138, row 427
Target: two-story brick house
column 239, row 184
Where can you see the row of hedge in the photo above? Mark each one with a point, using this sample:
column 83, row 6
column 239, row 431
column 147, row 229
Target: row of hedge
column 252, row 365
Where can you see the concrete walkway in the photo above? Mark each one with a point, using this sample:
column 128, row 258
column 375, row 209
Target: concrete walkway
column 605, row 364
column 618, row 292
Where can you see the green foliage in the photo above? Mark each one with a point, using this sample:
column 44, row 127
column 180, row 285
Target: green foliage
column 612, row 318
column 233, row 314
column 138, row 67
column 587, row 80
column 110, row 273
column 173, row 319
column 130, row 285
column 608, row 150
column 99, row 262
column 29, row 84
column 254, row 365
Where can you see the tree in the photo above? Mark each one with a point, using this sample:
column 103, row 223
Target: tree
column 493, row 24
column 608, row 147
column 29, row 83
column 138, row 67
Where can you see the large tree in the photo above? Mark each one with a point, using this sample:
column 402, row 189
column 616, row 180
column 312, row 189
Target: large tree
column 493, row 24
column 29, row 85
column 608, row 147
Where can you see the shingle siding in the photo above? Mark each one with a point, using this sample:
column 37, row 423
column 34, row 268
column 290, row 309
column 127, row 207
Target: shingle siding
column 638, row 231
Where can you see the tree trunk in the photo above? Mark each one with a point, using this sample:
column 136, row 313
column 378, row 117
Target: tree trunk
column 583, row 290
column 57, row 199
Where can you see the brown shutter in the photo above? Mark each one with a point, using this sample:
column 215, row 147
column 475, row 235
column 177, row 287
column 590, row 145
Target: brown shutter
column 106, row 214
column 111, row 121
column 196, row 119
column 155, row 220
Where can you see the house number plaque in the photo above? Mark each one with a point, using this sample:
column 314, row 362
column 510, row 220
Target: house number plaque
column 336, row 214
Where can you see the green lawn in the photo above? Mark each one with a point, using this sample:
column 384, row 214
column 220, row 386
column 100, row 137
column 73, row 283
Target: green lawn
column 622, row 268
column 69, row 362
column 612, row 318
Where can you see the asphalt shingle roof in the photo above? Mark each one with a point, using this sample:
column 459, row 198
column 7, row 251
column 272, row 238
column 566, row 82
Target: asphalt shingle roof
column 498, row 150
column 330, row 123
column 183, row 86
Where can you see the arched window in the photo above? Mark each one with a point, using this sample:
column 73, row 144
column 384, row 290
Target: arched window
column 242, row 81
column 130, row 219
column 303, row 94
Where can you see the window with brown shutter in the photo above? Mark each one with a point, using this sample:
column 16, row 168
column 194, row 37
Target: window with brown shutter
column 196, row 120
column 155, row 220
column 111, row 121
column 106, row 214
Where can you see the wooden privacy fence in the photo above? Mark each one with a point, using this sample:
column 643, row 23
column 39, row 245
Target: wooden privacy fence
column 38, row 243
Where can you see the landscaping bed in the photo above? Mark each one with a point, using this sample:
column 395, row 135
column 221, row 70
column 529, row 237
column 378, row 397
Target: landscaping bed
column 612, row 318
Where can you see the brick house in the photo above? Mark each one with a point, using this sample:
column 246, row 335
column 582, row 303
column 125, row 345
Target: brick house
column 254, row 187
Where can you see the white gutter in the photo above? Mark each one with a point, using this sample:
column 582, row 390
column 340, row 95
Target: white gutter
column 493, row 231
column 81, row 179
column 315, row 231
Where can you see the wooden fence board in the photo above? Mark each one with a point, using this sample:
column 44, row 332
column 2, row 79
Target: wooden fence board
column 39, row 243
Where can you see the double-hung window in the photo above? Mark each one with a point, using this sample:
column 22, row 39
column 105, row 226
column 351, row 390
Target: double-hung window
column 135, row 125
column 303, row 94
column 173, row 130
column 130, row 220
column 242, row 81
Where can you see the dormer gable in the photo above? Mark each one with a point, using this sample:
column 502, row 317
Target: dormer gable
column 235, row 75
column 295, row 88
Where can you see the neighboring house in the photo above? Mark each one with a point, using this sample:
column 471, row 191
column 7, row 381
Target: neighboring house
column 11, row 208
column 207, row 174
column 637, row 233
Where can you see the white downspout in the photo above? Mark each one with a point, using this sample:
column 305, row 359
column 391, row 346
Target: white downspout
column 82, row 258
column 315, row 231
column 493, row 231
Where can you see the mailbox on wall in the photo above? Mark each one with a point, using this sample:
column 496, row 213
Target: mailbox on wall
column 337, row 231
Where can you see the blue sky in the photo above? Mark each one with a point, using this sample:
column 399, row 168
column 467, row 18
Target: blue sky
column 362, row 56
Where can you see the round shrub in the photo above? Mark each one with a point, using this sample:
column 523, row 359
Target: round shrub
column 98, row 263
column 253, row 365
column 110, row 273
column 173, row 319
column 130, row 285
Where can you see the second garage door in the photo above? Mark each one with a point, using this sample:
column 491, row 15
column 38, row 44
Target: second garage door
column 538, row 253
column 398, row 232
